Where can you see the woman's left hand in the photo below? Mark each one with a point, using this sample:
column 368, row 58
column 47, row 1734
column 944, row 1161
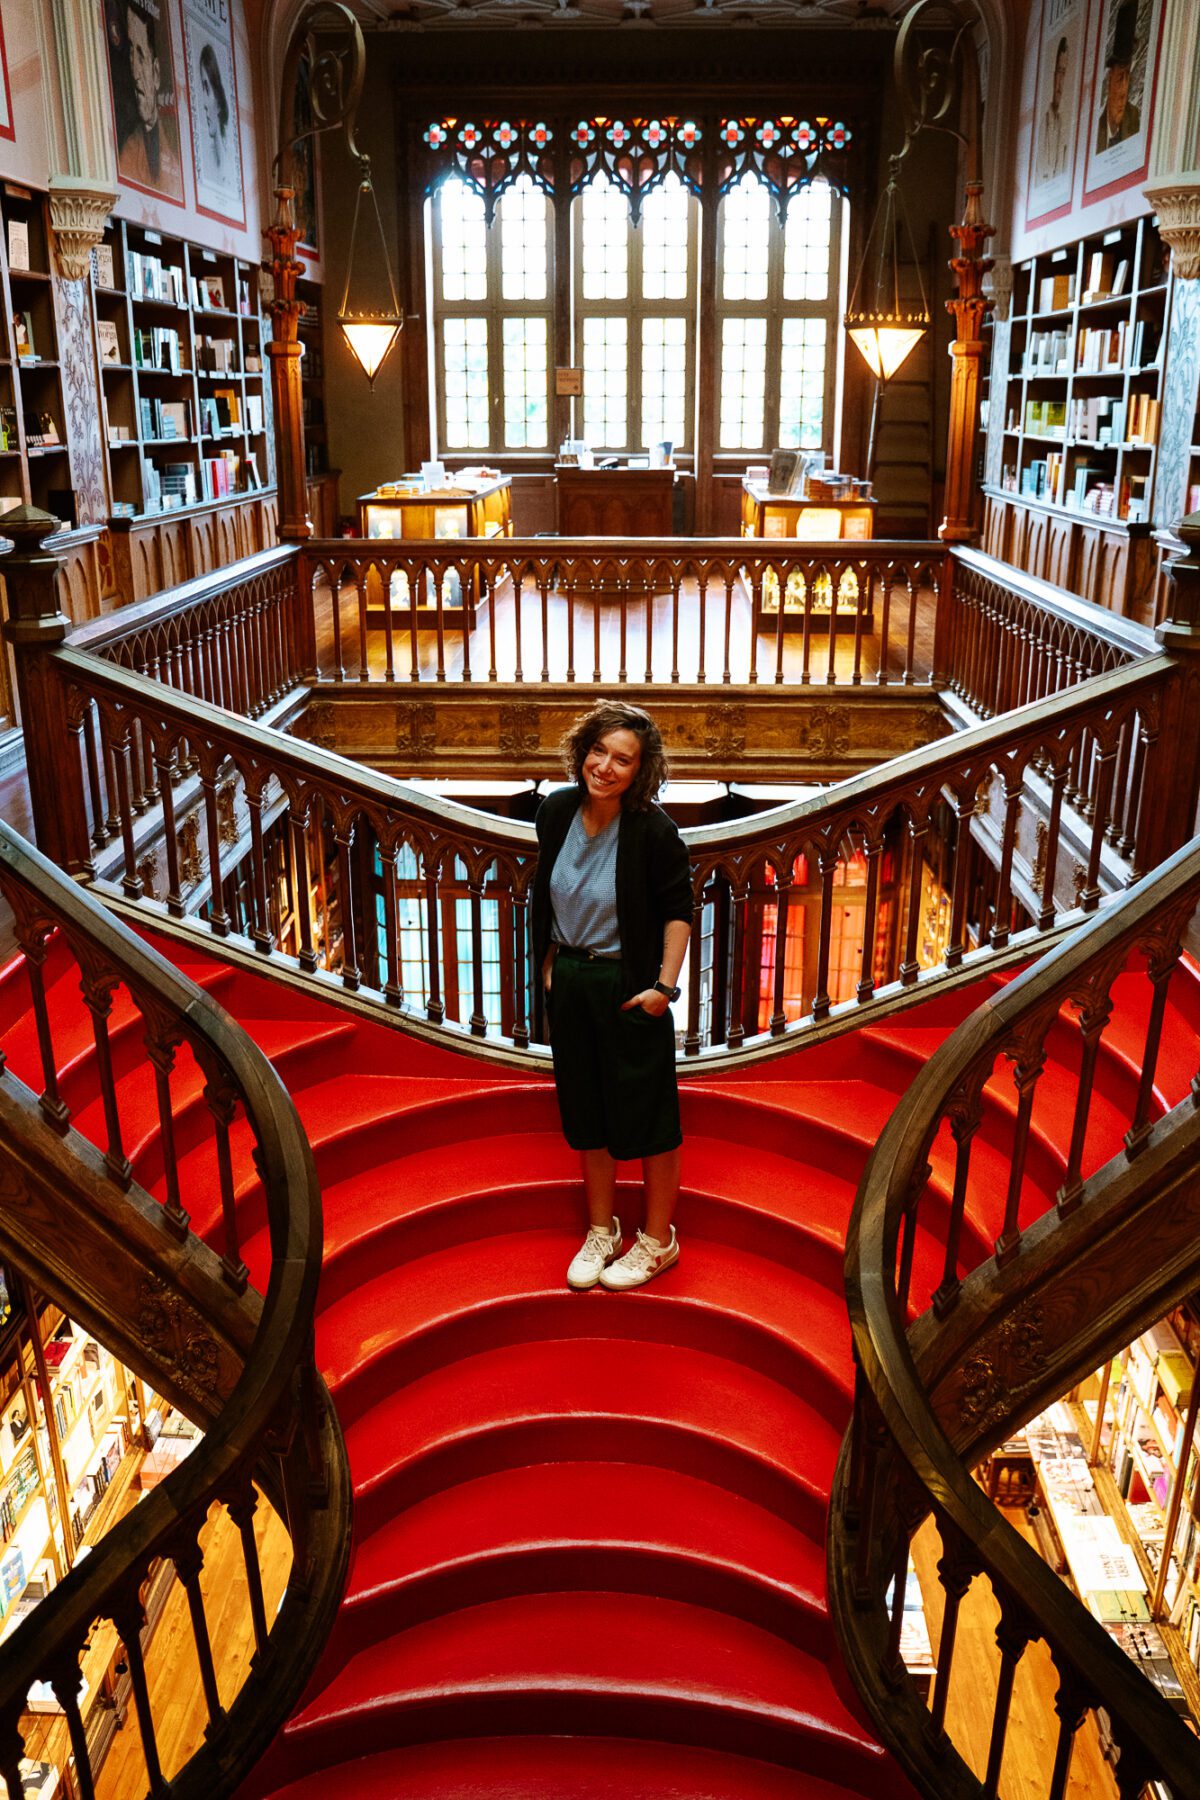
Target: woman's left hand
column 650, row 1001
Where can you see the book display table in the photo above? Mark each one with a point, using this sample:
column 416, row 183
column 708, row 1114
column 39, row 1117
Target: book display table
column 464, row 508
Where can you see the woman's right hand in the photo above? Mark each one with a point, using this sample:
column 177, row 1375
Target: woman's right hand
column 548, row 970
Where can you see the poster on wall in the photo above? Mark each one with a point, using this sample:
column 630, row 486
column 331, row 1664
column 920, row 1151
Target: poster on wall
column 304, row 152
column 6, row 112
column 1117, row 136
column 1056, row 109
column 213, row 99
column 141, row 68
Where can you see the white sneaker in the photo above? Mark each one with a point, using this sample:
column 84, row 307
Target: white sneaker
column 592, row 1259
column 644, row 1259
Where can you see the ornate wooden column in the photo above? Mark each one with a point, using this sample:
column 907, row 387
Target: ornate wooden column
column 285, row 351
column 969, row 308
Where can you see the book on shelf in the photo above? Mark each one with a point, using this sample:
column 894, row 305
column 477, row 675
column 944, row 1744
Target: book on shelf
column 1056, row 292
column 23, row 337
column 106, row 337
column 254, row 414
column 208, row 293
column 9, row 439
column 18, row 244
column 150, row 278
column 103, row 267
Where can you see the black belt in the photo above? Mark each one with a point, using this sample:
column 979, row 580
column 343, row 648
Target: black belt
column 583, row 955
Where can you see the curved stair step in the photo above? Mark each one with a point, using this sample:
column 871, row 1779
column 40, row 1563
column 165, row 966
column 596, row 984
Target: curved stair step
column 590, row 1659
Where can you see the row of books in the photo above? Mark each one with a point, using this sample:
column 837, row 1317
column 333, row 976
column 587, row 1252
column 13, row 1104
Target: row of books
column 168, row 488
column 1100, row 349
column 220, row 475
column 1056, row 292
column 150, row 278
column 164, row 418
column 208, row 293
column 217, row 355
column 1048, row 353
column 21, row 1483
column 159, row 347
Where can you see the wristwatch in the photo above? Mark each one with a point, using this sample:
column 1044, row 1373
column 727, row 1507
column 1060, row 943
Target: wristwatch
column 671, row 993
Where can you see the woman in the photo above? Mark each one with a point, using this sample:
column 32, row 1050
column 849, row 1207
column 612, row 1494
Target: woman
column 612, row 911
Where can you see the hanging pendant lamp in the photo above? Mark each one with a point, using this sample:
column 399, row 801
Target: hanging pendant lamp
column 885, row 329
column 370, row 330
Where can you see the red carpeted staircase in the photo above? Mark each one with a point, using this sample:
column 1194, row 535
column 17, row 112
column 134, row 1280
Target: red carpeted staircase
column 589, row 1530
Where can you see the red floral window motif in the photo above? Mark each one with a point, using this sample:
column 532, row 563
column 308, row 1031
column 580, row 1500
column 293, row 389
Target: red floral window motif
column 655, row 135
column 436, row 135
column 731, row 133
column 540, row 135
column 470, row 137
column 806, row 137
column 583, row 134
column 768, row 134
column 505, row 136
column 618, row 134
column 688, row 134
column 838, row 136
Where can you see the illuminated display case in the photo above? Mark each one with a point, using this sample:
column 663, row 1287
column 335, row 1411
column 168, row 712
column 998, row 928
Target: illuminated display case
column 772, row 517
column 459, row 510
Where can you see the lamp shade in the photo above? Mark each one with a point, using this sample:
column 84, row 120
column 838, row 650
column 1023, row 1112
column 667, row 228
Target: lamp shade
column 370, row 337
column 885, row 340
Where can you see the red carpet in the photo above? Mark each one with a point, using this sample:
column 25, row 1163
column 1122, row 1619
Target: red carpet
column 589, row 1556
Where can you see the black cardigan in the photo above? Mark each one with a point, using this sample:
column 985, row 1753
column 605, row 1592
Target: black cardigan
column 654, row 882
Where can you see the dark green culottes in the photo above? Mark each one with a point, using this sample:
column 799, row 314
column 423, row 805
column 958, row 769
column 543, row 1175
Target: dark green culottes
column 614, row 1071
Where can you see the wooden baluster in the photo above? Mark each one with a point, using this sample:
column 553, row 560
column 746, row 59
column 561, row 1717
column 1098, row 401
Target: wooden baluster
column 783, row 889
column 865, row 605
column 910, row 643
column 885, row 625
column 912, row 1204
column 161, row 1043
column 513, row 573
column 1094, row 1016
column 835, row 594
column 782, row 572
column 100, row 835
column 866, row 980
column 1058, row 782
column 435, row 1009
column 222, row 1100
column 393, row 989
column 691, row 1040
column 730, row 578
column 129, row 1622
column 964, row 812
column 476, row 887
column 543, row 582
column 523, row 972
column 364, row 654
column 810, row 582
column 1089, row 899
column 343, row 837
column 739, row 899
column 872, row 1485
column 957, row 1569
column 131, row 885
column 1028, row 1057
column 389, row 629
column 66, row 1679
column 964, row 1112
column 701, row 621
column 335, row 610
column 416, row 589
column 1160, row 968
column 623, row 648
column 649, row 631
column 472, row 586
column 676, row 584
column 1113, row 825
column 188, row 1558
column 893, row 1670
column 304, row 612
column 166, row 778
column 298, row 827
column 910, row 968
column 50, row 1102
column 1013, row 1636
column 218, row 918
column 261, row 935
column 437, row 576
column 1143, row 789
column 622, row 603
column 241, row 1506
column 98, row 997
column 1072, row 1706
column 1013, row 787
column 827, row 862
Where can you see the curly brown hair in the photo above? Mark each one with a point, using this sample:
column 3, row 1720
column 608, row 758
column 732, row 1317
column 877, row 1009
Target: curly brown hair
column 618, row 715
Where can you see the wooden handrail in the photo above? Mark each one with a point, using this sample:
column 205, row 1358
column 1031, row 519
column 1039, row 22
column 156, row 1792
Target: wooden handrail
column 270, row 1427
column 898, row 1464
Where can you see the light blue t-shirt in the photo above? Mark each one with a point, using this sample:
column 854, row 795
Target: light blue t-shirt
column 583, row 889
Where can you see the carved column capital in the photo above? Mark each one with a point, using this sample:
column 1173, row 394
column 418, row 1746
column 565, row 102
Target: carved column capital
column 1002, row 285
column 79, row 211
column 1176, row 200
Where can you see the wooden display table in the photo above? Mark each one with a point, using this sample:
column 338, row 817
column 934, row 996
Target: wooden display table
column 772, row 517
column 448, row 515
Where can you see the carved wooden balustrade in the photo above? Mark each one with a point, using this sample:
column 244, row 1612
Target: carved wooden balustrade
column 126, row 1261
column 241, row 638
column 351, row 877
column 1006, row 639
column 1019, row 1298
column 586, row 610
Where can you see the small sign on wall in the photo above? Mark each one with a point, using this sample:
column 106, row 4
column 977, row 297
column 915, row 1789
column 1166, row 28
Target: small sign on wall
column 568, row 382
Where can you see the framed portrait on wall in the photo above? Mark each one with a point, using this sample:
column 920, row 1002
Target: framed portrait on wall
column 1117, row 135
column 1061, row 43
column 7, row 128
column 141, row 68
column 213, row 105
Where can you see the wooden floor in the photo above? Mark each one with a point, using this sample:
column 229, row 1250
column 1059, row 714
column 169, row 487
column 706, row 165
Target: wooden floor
column 687, row 643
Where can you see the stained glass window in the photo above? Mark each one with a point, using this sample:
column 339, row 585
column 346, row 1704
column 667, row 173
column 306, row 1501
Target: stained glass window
column 605, row 381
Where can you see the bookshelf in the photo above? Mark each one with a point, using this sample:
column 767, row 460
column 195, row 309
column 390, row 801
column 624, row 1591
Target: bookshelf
column 1081, row 401
column 179, row 341
column 34, row 467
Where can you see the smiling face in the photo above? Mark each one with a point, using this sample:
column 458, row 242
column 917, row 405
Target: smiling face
column 611, row 765
column 143, row 66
